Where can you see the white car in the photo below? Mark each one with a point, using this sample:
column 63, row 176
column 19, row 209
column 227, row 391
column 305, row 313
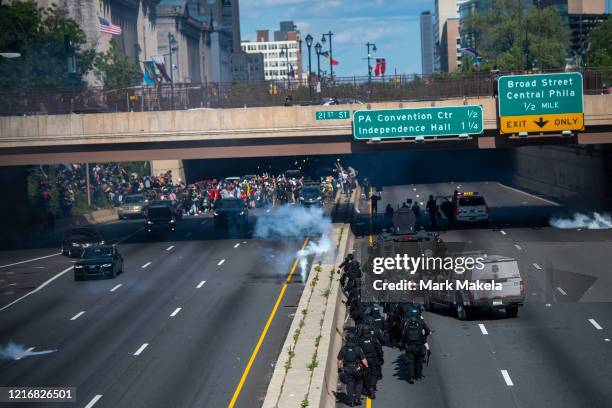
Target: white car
column 471, row 207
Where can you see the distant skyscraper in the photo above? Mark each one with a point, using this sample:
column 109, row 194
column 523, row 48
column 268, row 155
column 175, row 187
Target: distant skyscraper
column 444, row 9
column 427, row 43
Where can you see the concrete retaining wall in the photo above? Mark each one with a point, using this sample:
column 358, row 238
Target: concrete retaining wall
column 578, row 176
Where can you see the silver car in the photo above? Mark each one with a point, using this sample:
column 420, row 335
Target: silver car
column 133, row 207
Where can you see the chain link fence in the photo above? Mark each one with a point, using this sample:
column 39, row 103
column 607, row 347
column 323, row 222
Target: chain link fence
column 183, row 96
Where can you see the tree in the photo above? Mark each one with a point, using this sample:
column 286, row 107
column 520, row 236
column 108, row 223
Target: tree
column 512, row 37
column 41, row 36
column 114, row 68
column 599, row 52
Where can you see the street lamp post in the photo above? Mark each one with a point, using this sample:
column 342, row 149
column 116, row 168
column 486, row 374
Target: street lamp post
column 309, row 45
column 285, row 52
column 368, row 45
column 171, row 42
column 331, row 55
column 318, row 51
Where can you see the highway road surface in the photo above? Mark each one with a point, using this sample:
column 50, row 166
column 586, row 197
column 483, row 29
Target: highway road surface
column 556, row 353
column 177, row 329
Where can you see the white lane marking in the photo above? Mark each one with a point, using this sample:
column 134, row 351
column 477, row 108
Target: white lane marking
column 129, row 236
column 244, row 242
column 518, row 247
column 30, row 260
column 507, row 378
column 237, row 245
column 76, row 316
column 203, row 222
column 503, row 232
column 548, row 305
column 483, row 329
column 560, row 289
column 268, row 210
column 170, row 248
column 200, row 284
column 45, row 283
column 116, row 287
column 595, row 324
column 607, row 340
column 145, row 265
column 141, row 349
column 176, row 311
column 93, row 401
column 19, row 357
column 221, row 262
column 527, row 194
column 535, row 265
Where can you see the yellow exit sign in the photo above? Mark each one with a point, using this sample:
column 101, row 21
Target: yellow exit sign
column 556, row 122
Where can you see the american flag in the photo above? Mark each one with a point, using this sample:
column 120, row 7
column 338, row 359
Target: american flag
column 108, row 27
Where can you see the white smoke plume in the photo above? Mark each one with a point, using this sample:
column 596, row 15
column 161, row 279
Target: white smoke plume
column 294, row 221
column 321, row 247
column 579, row 220
column 13, row 351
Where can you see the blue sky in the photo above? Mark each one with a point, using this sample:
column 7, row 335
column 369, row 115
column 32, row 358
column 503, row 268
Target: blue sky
column 393, row 25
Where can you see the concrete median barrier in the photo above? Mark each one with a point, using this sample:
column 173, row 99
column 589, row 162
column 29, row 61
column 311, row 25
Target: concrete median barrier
column 305, row 373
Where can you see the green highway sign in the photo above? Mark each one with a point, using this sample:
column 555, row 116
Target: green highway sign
column 430, row 121
column 541, row 102
column 540, row 94
column 332, row 114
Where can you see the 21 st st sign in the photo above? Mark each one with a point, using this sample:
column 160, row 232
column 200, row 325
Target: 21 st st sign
column 541, row 103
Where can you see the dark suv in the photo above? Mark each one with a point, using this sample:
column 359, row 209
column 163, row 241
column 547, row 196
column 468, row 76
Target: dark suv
column 160, row 218
column 77, row 239
column 230, row 211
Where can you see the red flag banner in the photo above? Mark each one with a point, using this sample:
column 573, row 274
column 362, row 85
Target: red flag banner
column 377, row 67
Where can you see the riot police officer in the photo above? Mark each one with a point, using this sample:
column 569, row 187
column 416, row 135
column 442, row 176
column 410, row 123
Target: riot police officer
column 352, row 361
column 414, row 337
column 374, row 355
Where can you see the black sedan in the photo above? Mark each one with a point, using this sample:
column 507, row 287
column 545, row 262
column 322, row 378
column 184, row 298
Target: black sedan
column 77, row 239
column 230, row 212
column 311, row 195
column 98, row 261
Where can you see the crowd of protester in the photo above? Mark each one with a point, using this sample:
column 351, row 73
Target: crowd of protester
column 110, row 183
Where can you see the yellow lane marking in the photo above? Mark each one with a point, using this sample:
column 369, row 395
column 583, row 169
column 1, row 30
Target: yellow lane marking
column 263, row 334
column 368, row 402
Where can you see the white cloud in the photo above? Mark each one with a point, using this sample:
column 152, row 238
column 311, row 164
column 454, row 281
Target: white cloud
column 302, row 25
column 326, row 5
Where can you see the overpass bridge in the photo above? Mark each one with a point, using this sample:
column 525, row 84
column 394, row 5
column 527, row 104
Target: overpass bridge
column 248, row 132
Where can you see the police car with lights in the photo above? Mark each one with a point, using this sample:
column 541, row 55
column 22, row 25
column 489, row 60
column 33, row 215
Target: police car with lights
column 471, row 207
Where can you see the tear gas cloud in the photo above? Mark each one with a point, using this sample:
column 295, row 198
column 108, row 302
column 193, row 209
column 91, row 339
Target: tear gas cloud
column 293, row 221
column 13, row 350
column 580, row 220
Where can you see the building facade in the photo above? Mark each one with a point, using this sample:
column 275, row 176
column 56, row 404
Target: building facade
column 281, row 59
column 450, row 45
column 581, row 16
column 443, row 10
column 427, row 44
column 206, row 33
